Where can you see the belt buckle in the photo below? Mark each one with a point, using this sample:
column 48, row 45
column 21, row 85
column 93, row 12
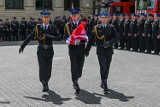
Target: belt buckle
column 105, row 46
column 45, row 46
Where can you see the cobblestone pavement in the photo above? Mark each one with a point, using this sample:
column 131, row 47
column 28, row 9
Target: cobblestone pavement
column 134, row 80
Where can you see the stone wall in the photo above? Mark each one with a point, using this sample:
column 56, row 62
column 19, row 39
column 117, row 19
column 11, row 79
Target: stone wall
column 30, row 9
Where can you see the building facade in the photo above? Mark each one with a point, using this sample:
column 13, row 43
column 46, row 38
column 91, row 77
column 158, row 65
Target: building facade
column 32, row 8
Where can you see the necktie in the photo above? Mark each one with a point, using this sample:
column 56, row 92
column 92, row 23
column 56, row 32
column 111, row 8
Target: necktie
column 45, row 28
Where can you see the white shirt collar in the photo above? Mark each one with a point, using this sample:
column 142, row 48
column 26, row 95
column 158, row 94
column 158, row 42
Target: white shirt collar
column 76, row 22
column 45, row 25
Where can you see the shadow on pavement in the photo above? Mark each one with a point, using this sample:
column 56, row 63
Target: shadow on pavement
column 4, row 102
column 51, row 97
column 88, row 98
column 116, row 95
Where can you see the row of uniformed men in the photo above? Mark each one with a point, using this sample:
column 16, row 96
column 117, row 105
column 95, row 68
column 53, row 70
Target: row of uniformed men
column 16, row 30
column 137, row 32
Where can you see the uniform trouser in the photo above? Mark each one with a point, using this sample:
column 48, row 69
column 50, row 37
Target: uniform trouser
column 116, row 45
column 134, row 41
column 45, row 67
column 142, row 43
column 156, row 44
column 148, row 41
column 128, row 42
column 77, row 62
column 122, row 40
column 15, row 35
column 104, row 63
column 23, row 34
column 7, row 35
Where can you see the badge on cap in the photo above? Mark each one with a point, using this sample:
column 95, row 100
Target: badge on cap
column 104, row 15
column 45, row 13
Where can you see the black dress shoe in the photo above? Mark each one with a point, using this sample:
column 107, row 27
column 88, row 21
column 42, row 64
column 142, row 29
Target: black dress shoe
column 148, row 52
column 45, row 86
column 104, row 86
column 156, row 53
column 76, row 86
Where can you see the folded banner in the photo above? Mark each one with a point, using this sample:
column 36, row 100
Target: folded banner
column 77, row 35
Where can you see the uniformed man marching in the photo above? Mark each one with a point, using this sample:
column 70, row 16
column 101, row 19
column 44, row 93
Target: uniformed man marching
column 76, row 51
column 105, row 36
column 44, row 33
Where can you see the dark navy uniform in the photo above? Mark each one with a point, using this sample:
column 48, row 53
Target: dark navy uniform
column 1, row 30
column 76, row 53
column 126, row 33
column 31, row 25
column 6, row 28
column 133, row 32
column 45, row 34
column 15, row 29
column 155, row 33
column 105, row 36
column 23, row 28
column 148, row 33
column 91, row 25
column 121, row 30
column 141, row 38
column 60, row 26
column 115, row 22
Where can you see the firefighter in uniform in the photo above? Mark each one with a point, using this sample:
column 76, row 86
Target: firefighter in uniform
column 91, row 24
column 127, row 31
column 31, row 25
column 23, row 27
column 133, row 32
column 15, row 29
column 76, row 52
column 155, row 34
column 105, row 36
column 95, row 19
column 148, row 32
column 121, row 30
column 44, row 33
column 7, row 29
column 115, row 23
column 60, row 26
column 141, row 36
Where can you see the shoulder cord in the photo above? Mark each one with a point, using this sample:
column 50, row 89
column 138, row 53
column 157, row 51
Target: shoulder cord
column 96, row 32
column 67, row 28
column 42, row 38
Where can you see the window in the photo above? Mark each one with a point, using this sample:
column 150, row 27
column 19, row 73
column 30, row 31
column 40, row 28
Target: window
column 145, row 4
column 68, row 4
column 14, row 4
column 43, row 4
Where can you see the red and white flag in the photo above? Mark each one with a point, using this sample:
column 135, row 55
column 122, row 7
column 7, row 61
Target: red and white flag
column 77, row 35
